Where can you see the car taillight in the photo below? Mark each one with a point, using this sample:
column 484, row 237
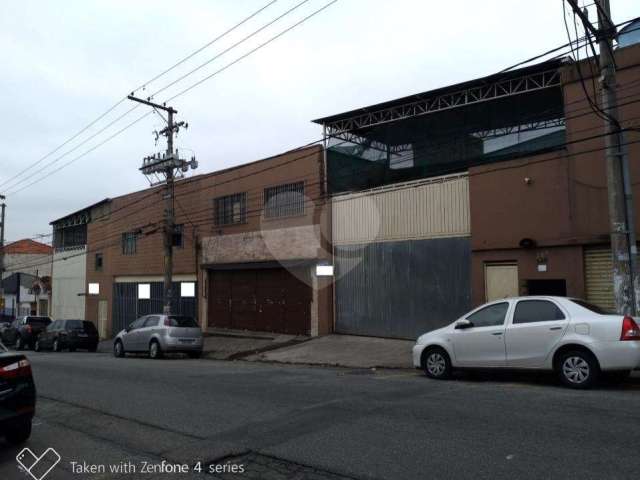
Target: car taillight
column 28, row 328
column 630, row 329
column 167, row 322
column 20, row 368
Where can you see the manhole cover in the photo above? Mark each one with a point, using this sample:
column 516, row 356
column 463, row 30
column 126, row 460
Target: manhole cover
column 256, row 466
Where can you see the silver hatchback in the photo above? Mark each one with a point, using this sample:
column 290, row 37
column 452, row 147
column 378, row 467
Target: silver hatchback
column 159, row 334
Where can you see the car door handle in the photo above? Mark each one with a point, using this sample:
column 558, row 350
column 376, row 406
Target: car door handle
column 555, row 328
column 496, row 333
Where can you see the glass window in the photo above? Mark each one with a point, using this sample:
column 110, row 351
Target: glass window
column 98, row 262
column 152, row 321
column 177, row 238
column 182, row 321
column 284, row 200
column 231, row 209
column 38, row 320
column 138, row 323
column 73, row 325
column 89, row 327
column 490, row 316
column 529, row 311
column 591, row 306
column 129, row 240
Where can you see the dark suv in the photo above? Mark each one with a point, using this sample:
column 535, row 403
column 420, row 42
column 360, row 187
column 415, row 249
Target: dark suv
column 24, row 331
column 68, row 334
column 17, row 396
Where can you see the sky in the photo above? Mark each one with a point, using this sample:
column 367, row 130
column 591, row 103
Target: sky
column 66, row 63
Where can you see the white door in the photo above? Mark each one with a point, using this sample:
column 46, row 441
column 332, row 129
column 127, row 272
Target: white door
column 102, row 319
column 536, row 327
column 482, row 345
column 501, row 281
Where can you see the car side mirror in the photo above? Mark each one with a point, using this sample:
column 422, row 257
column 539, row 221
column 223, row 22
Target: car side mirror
column 128, row 329
column 463, row 324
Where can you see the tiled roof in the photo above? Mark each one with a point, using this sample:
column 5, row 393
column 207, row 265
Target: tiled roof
column 28, row 246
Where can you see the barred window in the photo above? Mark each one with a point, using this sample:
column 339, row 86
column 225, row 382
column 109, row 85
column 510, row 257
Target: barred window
column 231, row 209
column 284, row 200
column 129, row 243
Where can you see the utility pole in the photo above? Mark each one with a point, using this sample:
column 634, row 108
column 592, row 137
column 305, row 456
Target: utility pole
column 2, row 209
column 167, row 165
column 626, row 284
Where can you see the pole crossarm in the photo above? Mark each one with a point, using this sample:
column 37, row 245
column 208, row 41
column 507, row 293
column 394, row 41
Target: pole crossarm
column 151, row 104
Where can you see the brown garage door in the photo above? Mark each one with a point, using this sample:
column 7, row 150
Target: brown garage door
column 270, row 300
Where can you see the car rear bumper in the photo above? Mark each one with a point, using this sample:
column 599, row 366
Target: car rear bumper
column 618, row 355
column 80, row 342
column 17, row 405
column 176, row 344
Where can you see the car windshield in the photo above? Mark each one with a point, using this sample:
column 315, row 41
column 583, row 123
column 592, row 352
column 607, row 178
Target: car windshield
column 3, row 349
column 89, row 327
column 182, row 321
column 591, row 306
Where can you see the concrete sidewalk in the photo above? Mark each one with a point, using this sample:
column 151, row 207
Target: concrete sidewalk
column 222, row 344
column 343, row 350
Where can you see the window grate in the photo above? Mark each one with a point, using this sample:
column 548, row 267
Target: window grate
column 284, row 200
column 231, row 209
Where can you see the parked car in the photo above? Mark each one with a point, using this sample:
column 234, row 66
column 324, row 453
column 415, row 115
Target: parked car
column 17, row 396
column 68, row 334
column 159, row 334
column 569, row 336
column 24, row 331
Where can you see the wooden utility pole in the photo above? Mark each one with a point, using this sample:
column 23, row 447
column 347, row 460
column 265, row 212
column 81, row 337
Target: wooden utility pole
column 166, row 165
column 626, row 285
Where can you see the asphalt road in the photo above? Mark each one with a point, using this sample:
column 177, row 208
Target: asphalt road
column 278, row 422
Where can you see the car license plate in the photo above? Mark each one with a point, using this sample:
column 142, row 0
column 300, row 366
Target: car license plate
column 187, row 340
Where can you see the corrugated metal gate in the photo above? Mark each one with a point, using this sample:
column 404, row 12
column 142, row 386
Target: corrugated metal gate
column 598, row 276
column 402, row 257
column 127, row 307
column 402, row 289
column 270, row 300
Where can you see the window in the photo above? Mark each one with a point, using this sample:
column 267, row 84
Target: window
column 590, row 306
column 182, row 321
column 144, row 291
column 284, row 200
column 98, row 262
column 152, row 321
column 178, row 238
column 231, row 209
column 94, row 289
column 187, row 289
column 73, row 325
column 529, row 311
column 129, row 243
column 490, row 316
column 137, row 323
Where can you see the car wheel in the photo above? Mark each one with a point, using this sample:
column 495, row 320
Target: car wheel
column 437, row 363
column 36, row 346
column 194, row 354
column 19, row 343
column 578, row 369
column 56, row 345
column 154, row 350
column 20, row 433
column 118, row 349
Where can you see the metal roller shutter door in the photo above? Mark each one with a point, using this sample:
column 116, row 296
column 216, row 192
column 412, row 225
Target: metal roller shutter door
column 598, row 267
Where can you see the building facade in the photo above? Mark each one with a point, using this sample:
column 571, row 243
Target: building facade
column 246, row 246
column 476, row 191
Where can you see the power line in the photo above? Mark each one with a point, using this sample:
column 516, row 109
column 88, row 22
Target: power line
column 123, row 99
column 242, row 57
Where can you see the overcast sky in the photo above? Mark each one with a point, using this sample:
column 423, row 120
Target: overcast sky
column 65, row 63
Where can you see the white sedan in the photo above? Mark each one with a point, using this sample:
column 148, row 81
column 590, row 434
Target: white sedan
column 569, row 336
